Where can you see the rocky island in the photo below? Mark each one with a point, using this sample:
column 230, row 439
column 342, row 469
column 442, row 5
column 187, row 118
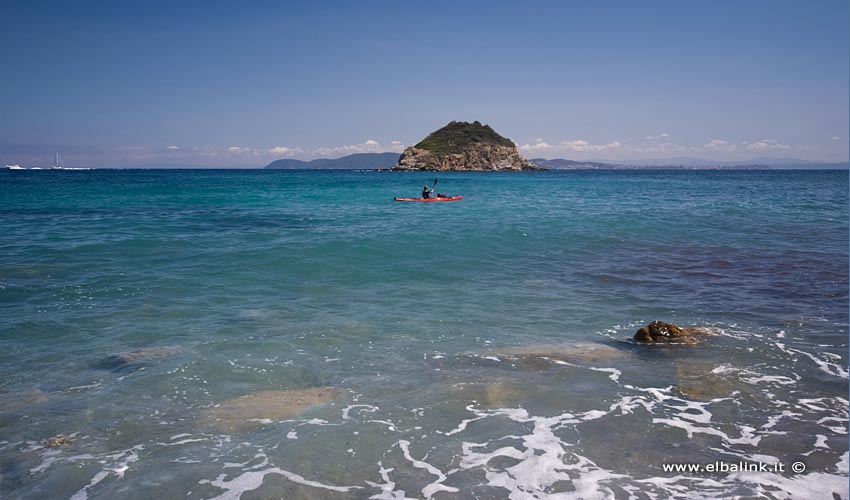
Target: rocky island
column 466, row 147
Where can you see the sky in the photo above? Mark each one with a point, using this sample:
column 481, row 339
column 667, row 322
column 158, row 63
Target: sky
column 239, row 84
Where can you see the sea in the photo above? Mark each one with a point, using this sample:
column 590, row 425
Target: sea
column 254, row 334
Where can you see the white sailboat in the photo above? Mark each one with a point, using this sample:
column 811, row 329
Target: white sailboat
column 57, row 163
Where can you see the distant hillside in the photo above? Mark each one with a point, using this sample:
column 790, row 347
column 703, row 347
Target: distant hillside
column 813, row 166
column 690, row 162
column 798, row 164
column 373, row 161
column 560, row 164
column 360, row 161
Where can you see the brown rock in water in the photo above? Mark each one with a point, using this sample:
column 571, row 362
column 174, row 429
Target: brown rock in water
column 58, row 441
column 659, row 331
column 254, row 410
column 467, row 147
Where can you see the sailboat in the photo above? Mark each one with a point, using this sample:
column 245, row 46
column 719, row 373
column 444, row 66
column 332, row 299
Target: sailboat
column 57, row 163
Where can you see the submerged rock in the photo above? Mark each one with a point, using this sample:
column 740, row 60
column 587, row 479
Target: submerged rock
column 254, row 410
column 15, row 400
column 698, row 380
column 579, row 353
column 659, row 331
column 497, row 393
column 118, row 360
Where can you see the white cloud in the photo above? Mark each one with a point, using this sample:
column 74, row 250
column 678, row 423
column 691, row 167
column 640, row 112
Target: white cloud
column 835, row 138
column 579, row 145
column 282, row 151
column 173, row 147
column 537, row 146
column 276, row 151
column 664, row 147
column 241, row 151
column 369, row 146
column 582, row 145
column 720, row 145
column 659, row 136
column 766, row 144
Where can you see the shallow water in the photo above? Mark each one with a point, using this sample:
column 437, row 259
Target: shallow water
column 477, row 349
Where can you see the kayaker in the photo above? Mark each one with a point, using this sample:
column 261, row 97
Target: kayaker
column 427, row 193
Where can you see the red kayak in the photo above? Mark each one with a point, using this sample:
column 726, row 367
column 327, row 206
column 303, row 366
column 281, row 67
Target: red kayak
column 447, row 198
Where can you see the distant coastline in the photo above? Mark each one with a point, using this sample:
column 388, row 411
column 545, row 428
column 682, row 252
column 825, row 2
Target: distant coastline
column 385, row 161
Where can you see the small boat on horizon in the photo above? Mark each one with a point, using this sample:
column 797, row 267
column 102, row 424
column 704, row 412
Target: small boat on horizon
column 58, row 165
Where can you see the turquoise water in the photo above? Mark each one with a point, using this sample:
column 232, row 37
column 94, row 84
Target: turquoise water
column 475, row 349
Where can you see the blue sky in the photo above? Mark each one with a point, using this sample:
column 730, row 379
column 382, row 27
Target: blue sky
column 240, row 84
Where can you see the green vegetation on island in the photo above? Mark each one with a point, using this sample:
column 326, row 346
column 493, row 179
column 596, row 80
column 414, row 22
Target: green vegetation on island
column 464, row 146
column 456, row 136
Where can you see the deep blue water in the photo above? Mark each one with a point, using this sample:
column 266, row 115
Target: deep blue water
column 476, row 349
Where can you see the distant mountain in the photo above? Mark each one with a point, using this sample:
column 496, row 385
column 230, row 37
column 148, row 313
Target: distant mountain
column 677, row 161
column 560, row 164
column 793, row 163
column 814, row 166
column 359, row 161
column 780, row 163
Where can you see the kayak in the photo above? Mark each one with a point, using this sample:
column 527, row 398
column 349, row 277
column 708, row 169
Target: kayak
column 447, row 198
